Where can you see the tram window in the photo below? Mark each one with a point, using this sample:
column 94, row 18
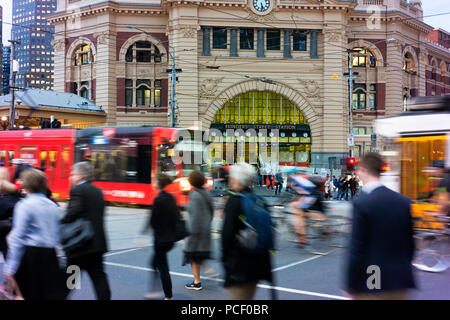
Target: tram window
column 65, row 162
column 43, row 159
column 165, row 163
column 52, row 156
column 11, row 156
column 143, row 163
column 2, row 158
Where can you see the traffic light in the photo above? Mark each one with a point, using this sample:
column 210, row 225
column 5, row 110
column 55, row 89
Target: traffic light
column 351, row 164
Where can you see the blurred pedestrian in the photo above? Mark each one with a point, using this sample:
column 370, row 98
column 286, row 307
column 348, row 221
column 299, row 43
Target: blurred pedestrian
column 8, row 199
column 382, row 245
column 201, row 212
column 335, row 187
column 278, row 182
column 86, row 202
column 32, row 261
column 353, row 186
column 264, row 176
column 163, row 220
column 242, row 269
column 328, row 188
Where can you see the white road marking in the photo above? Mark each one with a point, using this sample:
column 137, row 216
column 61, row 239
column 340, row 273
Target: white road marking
column 300, row 262
column 185, row 275
column 122, row 251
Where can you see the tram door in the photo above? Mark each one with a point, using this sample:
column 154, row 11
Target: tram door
column 48, row 160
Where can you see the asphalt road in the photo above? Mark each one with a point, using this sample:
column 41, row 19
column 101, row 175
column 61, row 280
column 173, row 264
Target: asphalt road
column 298, row 273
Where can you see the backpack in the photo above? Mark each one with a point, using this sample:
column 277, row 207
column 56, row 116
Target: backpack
column 257, row 236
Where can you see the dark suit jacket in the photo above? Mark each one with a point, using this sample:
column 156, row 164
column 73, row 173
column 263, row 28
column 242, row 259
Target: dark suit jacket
column 382, row 235
column 86, row 201
column 164, row 217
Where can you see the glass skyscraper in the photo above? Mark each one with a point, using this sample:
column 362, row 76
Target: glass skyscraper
column 35, row 53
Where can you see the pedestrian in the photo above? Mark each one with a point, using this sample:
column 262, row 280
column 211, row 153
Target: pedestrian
column 345, row 188
column 339, row 188
column 328, row 187
column 163, row 220
column 198, row 244
column 264, row 176
column 8, row 199
column 382, row 244
column 335, row 187
column 243, row 270
column 353, row 187
column 86, row 202
column 32, row 262
column 278, row 182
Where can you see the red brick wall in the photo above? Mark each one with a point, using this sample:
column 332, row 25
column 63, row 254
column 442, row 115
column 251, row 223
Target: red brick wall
column 94, row 90
column 381, row 96
column 165, row 92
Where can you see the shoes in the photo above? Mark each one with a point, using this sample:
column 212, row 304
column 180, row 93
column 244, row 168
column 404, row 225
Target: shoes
column 194, row 286
column 154, row 295
column 301, row 239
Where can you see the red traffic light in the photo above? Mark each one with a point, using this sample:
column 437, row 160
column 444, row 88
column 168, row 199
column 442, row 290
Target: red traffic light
column 352, row 161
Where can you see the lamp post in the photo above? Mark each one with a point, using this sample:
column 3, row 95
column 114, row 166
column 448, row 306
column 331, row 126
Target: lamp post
column 173, row 71
column 350, row 84
column 12, row 83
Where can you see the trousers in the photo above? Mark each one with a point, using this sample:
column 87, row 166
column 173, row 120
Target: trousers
column 162, row 266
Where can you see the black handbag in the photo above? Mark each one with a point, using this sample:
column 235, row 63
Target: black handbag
column 181, row 230
column 76, row 234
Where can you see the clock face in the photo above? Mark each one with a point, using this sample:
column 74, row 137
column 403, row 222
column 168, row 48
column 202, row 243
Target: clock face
column 261, row 5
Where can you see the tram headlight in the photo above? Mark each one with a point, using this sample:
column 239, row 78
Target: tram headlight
column 185, row 185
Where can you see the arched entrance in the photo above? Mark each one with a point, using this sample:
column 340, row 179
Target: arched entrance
column 269, row 115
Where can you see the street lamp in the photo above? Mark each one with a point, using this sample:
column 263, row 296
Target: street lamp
column 4, row 122
column 350, row 84
column 173, row 70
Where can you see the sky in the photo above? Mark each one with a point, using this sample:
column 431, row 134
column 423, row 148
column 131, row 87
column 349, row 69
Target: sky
column 430, row 7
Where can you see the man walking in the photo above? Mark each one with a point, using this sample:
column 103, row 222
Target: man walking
column 382, row 245
column 86, row 201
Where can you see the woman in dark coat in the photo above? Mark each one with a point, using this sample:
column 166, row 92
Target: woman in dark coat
column 243, row 271
column 198, row 244
column 163, row 221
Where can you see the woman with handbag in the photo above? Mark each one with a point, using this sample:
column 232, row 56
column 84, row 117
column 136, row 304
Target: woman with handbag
column 32, row 259
column 163, row 220
column 198, row 244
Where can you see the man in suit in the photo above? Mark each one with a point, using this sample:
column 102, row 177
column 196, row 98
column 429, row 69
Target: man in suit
column 86, row 201
column 382, row 245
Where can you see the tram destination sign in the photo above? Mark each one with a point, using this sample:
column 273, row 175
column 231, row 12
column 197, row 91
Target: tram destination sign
column 224, row 126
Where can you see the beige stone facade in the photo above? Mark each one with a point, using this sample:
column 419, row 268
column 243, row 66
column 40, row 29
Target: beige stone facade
column 125, row 71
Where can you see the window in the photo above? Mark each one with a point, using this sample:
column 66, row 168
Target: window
column 299, row 40
column 128, row 92
column 359, row 131
column 157, row 94
column 142, row 51
column 373, row 97
column 363, row 58
column 143, row 96
column 359, row 97
column 84, row 92
column 246, row 39
column 82, row 55
column 408, row 63
column 273, row 39
column 220, row 38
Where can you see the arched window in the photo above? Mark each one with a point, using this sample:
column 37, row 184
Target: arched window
column 434, row 70
column 82, row 55
column 84, row 92
column 363, row 58
column 443, row 72
column 408, row 63
column 143, row 52
column 143, row 93
column 426, row 66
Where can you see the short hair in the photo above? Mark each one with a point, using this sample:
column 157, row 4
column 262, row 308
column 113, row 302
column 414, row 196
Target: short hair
column 373, row 163
column 163, row 180
column 34, row 181
column 83, row 169
column 245, row 173
column 197, row 179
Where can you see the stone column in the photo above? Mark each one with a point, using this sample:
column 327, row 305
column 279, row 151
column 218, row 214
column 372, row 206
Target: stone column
column 206, row 41
column 421, row 73
column 233, row 42
column 313, row 40
column 394, row 90
column 59, row 80
column 260, row 45
column 105, row 72
column 287, row 43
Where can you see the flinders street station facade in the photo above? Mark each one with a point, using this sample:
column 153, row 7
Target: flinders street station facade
column 260, row 64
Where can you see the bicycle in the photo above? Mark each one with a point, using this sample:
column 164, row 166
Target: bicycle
column 321, row 234
column 433, row 245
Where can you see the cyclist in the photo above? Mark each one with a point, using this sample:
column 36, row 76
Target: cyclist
column 307, row 204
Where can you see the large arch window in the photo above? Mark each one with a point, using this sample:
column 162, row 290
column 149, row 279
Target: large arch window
column 82, row 55
column 364, row 58
column 259, row 107
column 143, row 52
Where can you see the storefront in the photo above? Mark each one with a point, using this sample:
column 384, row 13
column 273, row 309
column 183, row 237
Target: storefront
column 260, row 120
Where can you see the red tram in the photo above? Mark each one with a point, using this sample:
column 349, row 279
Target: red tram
column 125, row 160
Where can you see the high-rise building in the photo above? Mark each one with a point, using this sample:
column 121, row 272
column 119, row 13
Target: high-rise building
column 6, row 68
column 1, row 48
column 35, row 51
